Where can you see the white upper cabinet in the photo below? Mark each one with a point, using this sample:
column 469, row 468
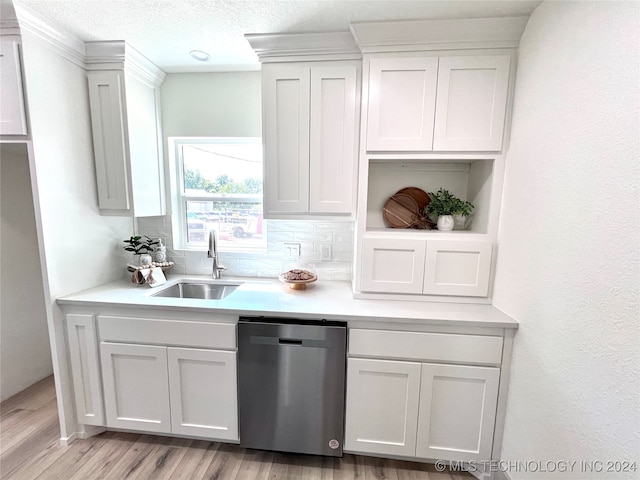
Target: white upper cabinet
column 393, row 265
column 457, row 267
column 445, row 104
column 333, row 146
column 310, row 123
column 13, row 119
column 286, row 90
column 430, row 267
column 471, row 103
column 402, row 94
column 127, row 140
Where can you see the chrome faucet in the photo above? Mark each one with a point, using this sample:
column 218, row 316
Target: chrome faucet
column 213, row 253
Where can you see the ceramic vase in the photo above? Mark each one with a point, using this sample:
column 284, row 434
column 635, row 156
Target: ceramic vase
column 445, row 223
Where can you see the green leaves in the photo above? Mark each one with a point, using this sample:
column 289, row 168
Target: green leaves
column 138, row 244
column 444, row 203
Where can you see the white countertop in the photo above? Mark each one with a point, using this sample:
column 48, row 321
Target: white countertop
column 269, row 297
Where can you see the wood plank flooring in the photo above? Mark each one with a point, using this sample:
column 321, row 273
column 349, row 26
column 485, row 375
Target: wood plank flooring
column 30, row 450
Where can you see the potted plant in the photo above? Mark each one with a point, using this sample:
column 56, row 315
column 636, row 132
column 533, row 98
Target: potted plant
column 444, row 205
column 141, row 245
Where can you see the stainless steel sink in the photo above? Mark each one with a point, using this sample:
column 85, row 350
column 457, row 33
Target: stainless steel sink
column 205, row 291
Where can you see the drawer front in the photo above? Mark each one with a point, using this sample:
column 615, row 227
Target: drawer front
column 167, row 332
column 435, row 347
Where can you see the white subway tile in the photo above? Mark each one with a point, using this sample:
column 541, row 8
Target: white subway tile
column 313, row 237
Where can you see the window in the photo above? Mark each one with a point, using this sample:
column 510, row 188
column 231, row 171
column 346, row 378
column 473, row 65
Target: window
column 217, row 185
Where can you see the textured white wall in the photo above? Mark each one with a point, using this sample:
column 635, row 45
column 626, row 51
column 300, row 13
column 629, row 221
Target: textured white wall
column 568, row 264
column 211, row 105
column 25, row 356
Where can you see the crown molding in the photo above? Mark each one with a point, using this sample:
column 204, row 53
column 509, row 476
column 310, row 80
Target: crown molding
column 281, row 46
column 8, row 20
column 119, row 55
column 63, row 43
column 407, row 35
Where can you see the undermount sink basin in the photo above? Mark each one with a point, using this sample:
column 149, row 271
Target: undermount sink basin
column 204, row 291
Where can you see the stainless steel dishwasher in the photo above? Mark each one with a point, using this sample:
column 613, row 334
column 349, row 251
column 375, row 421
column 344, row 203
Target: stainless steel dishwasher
column 291, row 382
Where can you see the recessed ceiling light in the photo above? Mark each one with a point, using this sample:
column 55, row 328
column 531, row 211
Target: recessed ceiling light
column 199, row 55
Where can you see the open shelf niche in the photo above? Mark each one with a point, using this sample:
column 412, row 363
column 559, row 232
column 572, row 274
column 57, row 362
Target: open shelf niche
column 469, row 180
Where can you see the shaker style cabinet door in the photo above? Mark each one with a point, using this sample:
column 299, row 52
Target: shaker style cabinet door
column 286, row 100
column 382, row 406
column 13, row 120
column 333, row 145
column 108, row 126
column 203, row 388
column 392, row 265
column 402, row 94
column 457, row 412
column 471, row 103
column 457, row 268
column 85, row 368
column 136, row 387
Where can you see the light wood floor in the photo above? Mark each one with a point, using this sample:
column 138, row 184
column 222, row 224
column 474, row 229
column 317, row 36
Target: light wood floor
column 29, row 450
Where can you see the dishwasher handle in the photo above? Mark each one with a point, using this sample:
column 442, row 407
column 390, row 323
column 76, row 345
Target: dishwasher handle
column 295, row 342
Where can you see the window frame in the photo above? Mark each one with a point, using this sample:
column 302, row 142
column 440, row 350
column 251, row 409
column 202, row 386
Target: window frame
column 179, row 198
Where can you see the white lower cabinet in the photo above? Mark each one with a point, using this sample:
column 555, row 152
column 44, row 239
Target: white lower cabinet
column 414, row 398
column 457, row 412
column 382, row 406
column 202, row 389
column 128, row 377
column 136, row 387
column 430, row 267
column 85, row 368
column 170, row 390
column 420, row 410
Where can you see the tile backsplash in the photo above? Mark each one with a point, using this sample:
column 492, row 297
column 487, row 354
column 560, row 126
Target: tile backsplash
column 310, row 234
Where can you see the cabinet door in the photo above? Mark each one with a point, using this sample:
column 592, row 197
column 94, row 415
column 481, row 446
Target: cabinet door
column 333, row 147
column 457, row 412
column 136, row 386
column 471, row 103
column 107, row 123
column 13, row 120
column 457, row 268
column 85, row 369
column 147, row 171
column 392, row 265
column 286, row 98
column 402, row 95
column 203, row 387
column 382, row 406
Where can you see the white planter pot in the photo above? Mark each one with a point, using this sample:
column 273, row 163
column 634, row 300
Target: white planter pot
column 445, row 223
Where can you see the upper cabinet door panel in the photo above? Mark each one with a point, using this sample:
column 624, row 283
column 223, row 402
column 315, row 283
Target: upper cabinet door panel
column 333, row 133
column 471, row 103
column 286, row 93
column 402, row 94
column 108, row 125
column 13, row 120
column 457, row 268
column 392, row 265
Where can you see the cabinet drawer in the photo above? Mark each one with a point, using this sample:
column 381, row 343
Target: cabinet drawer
column 437, row 347
column 167, row 332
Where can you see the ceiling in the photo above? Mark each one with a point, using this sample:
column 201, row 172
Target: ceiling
column 166, row 30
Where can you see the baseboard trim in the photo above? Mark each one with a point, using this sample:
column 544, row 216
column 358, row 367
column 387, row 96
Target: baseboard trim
column 66, row 441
